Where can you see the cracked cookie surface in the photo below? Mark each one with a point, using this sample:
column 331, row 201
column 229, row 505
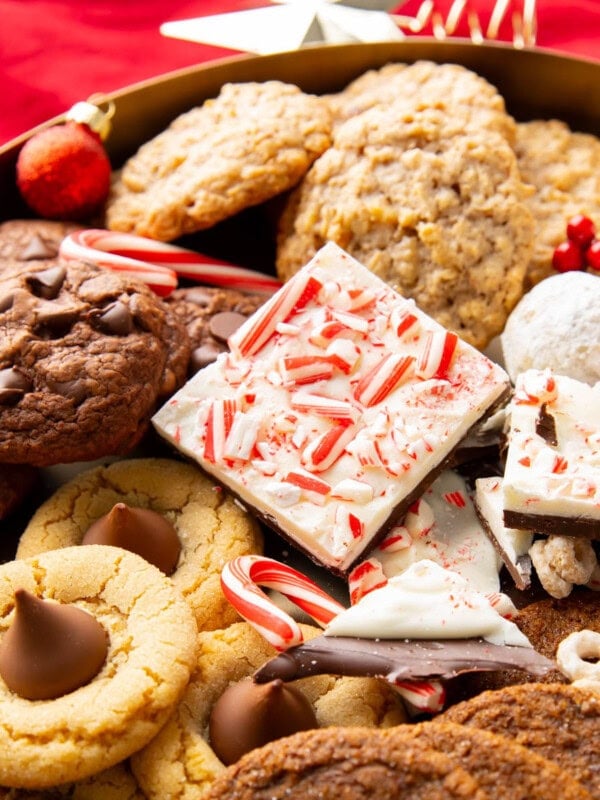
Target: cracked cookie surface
column 85, row 355
column 211, row 527
column 152, row 645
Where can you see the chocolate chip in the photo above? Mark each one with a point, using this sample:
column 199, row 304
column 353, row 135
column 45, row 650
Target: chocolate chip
column 75, row 390
column 199, row 296
column 37, row 249
column 55, row 322
column 13, row 385
column 115, row 319
column 225, row 323
column 6, row 303
column 545, row 426
column 48, row 283
column 204, row 355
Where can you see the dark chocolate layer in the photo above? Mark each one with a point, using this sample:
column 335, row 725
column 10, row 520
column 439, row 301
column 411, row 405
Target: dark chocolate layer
column 552, row 523
column 399, row 660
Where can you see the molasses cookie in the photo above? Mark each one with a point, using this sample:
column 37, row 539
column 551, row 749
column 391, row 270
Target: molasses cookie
column 559, row 722
column 69, row 734
column 210, row 316
column 504, row 769
column 564, row 168
column 85, row 355
column 252, row 142
column 349, row 762
column 209, row 526
column 435, row 210
column 181, row 762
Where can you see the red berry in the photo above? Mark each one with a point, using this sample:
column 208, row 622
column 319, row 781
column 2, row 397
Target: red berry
column 567, row 257
column 581, row 230
column 592, row 255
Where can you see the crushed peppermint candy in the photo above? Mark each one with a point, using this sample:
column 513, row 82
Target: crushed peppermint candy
column 337, row 405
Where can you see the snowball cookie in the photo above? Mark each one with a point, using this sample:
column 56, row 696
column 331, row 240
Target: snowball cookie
column 211, row 526
column 556, row 325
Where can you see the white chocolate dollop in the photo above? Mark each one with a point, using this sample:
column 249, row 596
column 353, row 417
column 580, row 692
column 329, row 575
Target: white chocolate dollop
column 426, row 602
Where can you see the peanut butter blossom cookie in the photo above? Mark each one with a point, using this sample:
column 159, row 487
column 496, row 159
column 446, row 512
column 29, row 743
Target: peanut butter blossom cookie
column 96, row 648
column 224, row 714
column 252, row 142
column 114, row 783
column 85, row 355
column 163, row 509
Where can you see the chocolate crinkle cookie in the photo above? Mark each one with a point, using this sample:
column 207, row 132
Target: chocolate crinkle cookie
column 85, row 356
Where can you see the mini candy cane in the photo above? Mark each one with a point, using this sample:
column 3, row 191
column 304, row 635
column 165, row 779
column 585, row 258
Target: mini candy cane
column 240, row 581
column 571, row 654
column 158, row 264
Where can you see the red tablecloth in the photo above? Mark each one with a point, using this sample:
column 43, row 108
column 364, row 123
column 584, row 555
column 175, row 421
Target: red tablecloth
column 56, row 52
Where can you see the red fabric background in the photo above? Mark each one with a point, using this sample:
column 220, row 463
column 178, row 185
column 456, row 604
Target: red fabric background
column 56, row 52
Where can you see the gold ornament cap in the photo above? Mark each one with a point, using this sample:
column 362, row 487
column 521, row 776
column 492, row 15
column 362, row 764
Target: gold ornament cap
column 86, row 113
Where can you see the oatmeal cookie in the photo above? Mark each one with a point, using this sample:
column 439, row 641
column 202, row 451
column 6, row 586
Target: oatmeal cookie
column 151, row 650
column 180, row 762
column 210, row 526
column 437, row 212
column 561, row 723
column 564, row 168
column 252, row 142
column 85, row 355
column 425, row 82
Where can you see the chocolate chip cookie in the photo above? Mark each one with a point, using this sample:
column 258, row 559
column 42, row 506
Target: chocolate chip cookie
column 32, row 240
column 85, row 354
column 210, row 316
column 252, row 142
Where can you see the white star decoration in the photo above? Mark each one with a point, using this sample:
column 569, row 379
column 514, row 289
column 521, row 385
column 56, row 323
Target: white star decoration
column 291, row 24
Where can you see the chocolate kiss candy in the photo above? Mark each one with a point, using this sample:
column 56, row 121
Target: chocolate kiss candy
column 248, row 715
column 139, row 530
column 50, row 649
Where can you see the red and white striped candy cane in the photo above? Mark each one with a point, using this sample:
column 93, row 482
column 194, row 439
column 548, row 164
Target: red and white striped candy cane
column 241, row 579
column 159, row 264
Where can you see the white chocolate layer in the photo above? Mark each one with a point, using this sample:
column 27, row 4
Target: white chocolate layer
column 561, row 479
column 442, row 526
column 338, row 399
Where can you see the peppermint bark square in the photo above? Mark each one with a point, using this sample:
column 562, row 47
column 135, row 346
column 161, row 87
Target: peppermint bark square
column 552, row 477
column 338, row 404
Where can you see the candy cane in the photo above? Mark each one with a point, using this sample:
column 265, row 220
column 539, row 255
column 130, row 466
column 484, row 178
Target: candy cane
column 158, row 264
column 240, row 581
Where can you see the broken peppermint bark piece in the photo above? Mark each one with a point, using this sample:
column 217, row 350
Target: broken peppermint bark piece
column 552, row 477
column 512, row 544
column 339, row 403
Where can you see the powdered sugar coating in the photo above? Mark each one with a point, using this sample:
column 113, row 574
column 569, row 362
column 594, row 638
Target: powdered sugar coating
column 556, row 325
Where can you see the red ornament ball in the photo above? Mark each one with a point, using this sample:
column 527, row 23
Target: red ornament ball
column 64, row 172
